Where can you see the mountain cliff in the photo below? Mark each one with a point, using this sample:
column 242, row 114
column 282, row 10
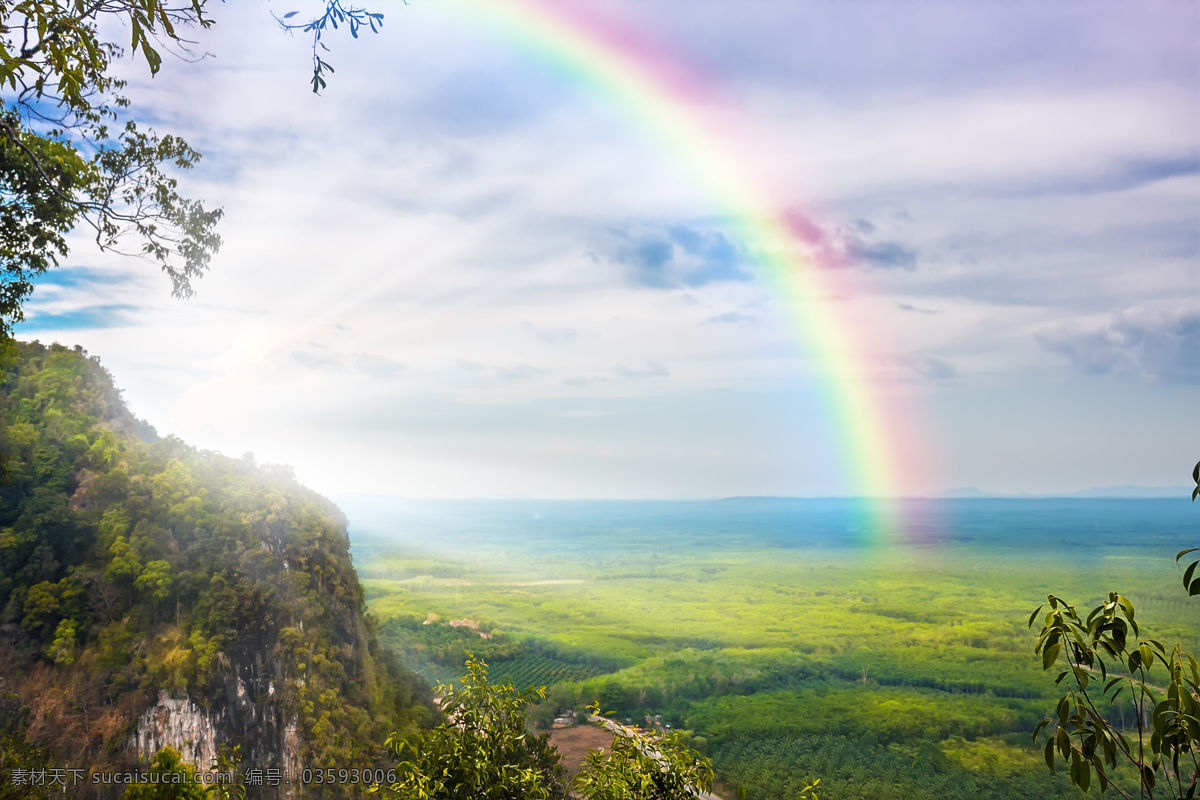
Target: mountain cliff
column 152, row 594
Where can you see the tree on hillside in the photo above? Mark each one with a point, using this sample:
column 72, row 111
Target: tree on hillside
column 642, row 767
column 172, row 779
column 485, row 751
column 1101, row 657
column 71, row 154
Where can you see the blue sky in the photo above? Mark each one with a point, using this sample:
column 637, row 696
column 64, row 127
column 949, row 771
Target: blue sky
column 460, row 272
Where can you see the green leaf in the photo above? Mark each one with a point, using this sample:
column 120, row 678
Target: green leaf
column 1063, row 740
column 1049, row 753
column 1050, row 655
column 1147, row 655
column 1187, row 574
column 1033, row 616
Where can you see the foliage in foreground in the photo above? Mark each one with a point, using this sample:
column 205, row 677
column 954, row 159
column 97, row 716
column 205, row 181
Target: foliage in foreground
column 72, row 153
column 643, row 767
column 1102, row 656
column 484, row 750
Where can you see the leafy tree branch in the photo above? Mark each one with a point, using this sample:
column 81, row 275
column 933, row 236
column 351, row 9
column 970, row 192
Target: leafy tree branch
column 1106, row 644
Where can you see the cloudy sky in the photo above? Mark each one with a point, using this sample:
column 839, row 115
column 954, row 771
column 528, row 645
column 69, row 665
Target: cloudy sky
column 470, row 270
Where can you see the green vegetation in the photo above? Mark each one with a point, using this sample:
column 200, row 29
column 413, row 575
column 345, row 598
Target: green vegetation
column 130, row 566
column 484, row 751
column 173, row 779
column 907, row 672
column 438, row 649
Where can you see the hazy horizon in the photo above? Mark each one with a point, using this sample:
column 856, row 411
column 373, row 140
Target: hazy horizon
column 1123, row 492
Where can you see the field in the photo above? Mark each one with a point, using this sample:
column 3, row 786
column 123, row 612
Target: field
column 781, row 633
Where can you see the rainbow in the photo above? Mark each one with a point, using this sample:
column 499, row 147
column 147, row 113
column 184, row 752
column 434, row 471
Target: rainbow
column 665, row 99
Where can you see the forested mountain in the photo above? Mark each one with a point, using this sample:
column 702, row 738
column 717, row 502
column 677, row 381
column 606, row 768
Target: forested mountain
column 154, row 594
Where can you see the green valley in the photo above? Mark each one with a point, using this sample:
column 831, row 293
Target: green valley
column 903, row 671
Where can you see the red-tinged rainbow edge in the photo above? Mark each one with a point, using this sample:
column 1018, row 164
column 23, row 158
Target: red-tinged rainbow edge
column 883, row 447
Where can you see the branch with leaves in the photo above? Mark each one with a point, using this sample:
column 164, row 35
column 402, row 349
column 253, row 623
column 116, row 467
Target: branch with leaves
column 69, row 154
column 1100, row 657
column 1191, row 581
column 335, row 15
column 484, row 750
column 642, row 767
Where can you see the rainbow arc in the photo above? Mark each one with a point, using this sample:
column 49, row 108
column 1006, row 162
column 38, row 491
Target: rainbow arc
column 668, row 102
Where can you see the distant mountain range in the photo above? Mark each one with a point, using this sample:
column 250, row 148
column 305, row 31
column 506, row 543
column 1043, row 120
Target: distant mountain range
column 359, row 504
column 1121, row 492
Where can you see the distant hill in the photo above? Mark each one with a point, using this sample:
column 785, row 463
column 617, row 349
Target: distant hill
column 1134, row 492
column 1115, row 492
column 152, row 594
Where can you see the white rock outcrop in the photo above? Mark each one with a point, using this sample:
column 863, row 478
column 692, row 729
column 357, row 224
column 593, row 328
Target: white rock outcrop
column 177, row 723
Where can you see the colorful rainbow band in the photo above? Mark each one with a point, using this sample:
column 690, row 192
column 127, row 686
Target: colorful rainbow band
column 667, row 101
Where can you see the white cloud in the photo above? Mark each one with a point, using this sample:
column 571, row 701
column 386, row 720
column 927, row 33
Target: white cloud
column 424, row 249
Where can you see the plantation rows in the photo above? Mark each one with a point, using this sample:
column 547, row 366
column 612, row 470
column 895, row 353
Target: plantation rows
column 537, row 670
column 771, row 769
column 521, row 672
column 432, row 671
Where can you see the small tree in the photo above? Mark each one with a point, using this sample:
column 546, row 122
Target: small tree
column 641, row 767
column 485, row 751
column 175, row 779
column 1101, row 657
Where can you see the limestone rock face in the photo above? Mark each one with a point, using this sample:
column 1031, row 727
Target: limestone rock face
column 177, row 723
column 246, row 714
